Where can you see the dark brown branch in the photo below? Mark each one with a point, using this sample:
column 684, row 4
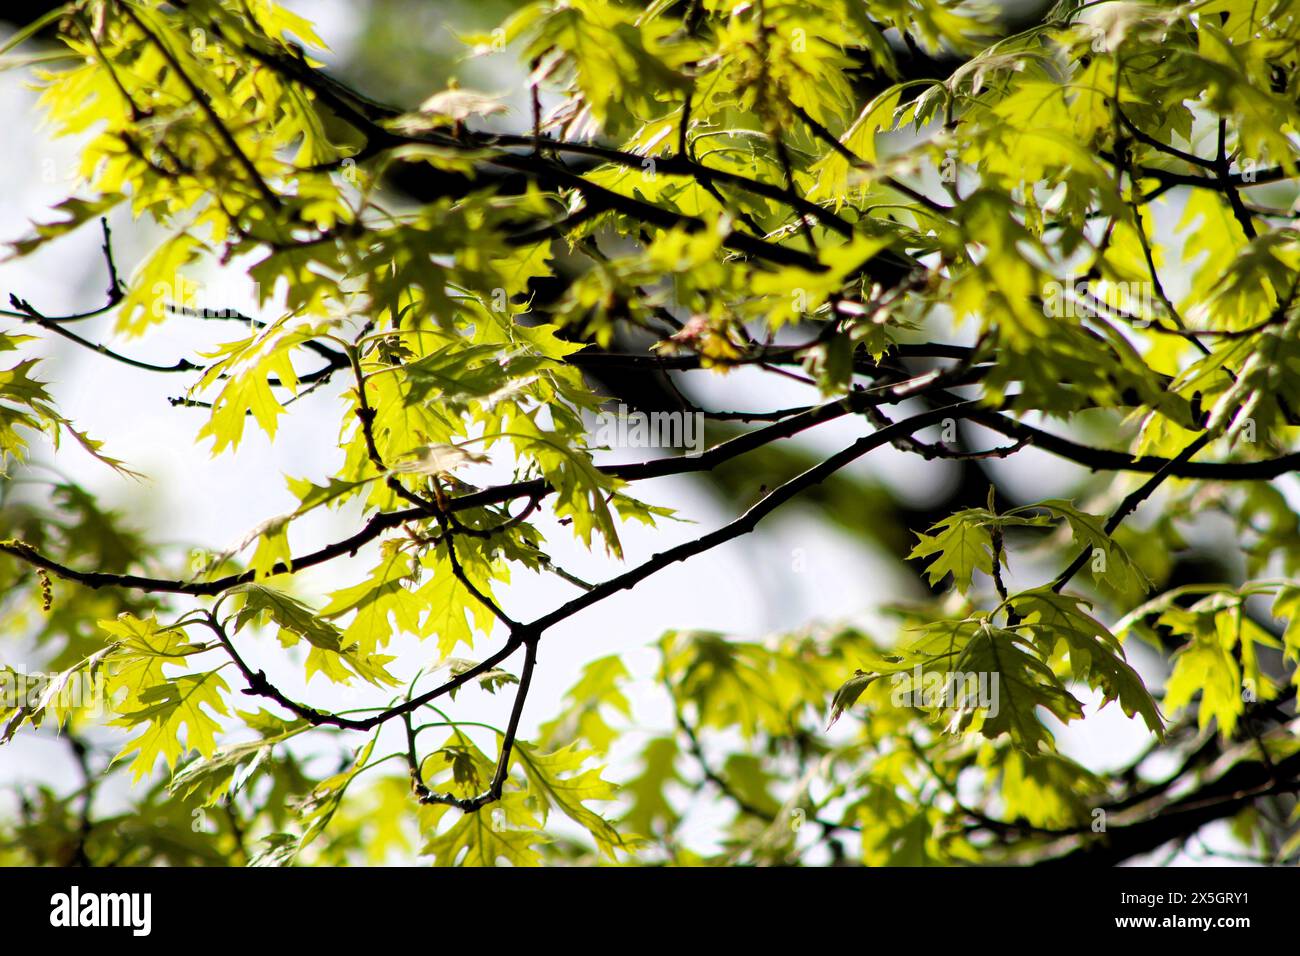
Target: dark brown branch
column 1097, row 459
column 858, row 162
column 259, row 686
column 29, row 314
column 114, row 295
column 680, row 164
column 1148, row 140
column 537, row 487
column 1105, row 459
column 724, row 786
column 1239, row 787
column 750, row 519
column 1130, row 504
column 499, row 777
column 1239, row 210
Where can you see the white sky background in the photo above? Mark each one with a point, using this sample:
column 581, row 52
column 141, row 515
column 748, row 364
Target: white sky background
column 747, row 588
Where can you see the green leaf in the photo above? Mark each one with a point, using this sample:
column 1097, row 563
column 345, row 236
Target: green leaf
column 78, row 213
column 490, row 680
column 962, row 660
column 454, row 614
column 142, row 649
column 848, row 694
column 962, row 546
column 318, row 808
column 651, row 811
column 556, row 781
column 1096, row 656
column 384, row 602
column 329, row 653
column 1287, row 605
column 1205, row 667
column 158, row 283
column 169, row 706
column 230, row 768
column 260, row 604
column 477, row 839
column 1089, row 532
column 1025, row 684
column 583, row 719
